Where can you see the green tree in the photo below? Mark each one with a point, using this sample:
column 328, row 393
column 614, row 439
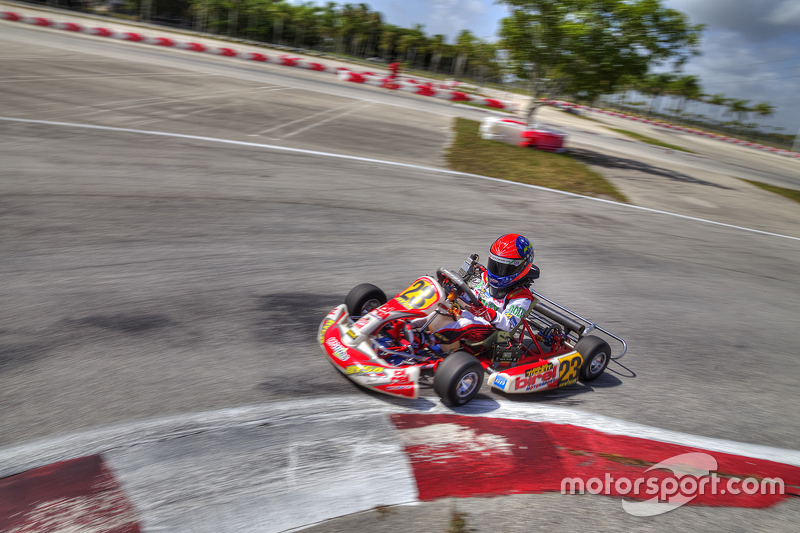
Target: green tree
column 764, row 110
column 685, row 88
column 584, row 47
column 465, row 42
column 655, row 86
column 718, row 100
column 437, row 46
column 386, row 43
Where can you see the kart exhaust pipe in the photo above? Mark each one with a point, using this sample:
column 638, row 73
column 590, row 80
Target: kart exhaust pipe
column 562, row 319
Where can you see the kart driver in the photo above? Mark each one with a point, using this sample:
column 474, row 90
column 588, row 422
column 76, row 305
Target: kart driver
column 502, row 289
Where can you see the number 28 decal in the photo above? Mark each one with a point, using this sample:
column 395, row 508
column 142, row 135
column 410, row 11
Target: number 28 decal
column 420, row 295
column 568, row 367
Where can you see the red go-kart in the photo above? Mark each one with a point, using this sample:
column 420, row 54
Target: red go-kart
column 385, row 345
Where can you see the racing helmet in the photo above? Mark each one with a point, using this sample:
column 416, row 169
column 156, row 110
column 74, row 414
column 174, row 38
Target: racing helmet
column 510, row 260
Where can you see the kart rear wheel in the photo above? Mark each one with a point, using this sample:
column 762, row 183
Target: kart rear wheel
column 458, row 378
column 596, row 354
column 364, row 298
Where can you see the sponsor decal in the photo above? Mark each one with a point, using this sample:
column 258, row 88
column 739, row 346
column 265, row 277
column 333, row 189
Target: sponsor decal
column 420, row 295
column 400, row 387
column 536, row 380
column 487, row 301
column 326, row 325
column 500, row 381
column 568, row 367
column 515, row 310
column 352, row 333
column 363, row 321
column 337, row 349
column 399, row 377
column 539, row 369
column 364, row 370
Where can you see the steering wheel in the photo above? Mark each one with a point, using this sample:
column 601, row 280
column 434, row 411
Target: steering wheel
column 456, row 280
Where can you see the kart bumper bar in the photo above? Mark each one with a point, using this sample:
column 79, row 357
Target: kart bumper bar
column 571, row 323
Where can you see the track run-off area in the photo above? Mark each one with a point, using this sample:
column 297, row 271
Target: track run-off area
column 174, row 227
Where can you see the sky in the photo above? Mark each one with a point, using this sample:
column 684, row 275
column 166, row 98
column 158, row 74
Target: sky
column 751, row 50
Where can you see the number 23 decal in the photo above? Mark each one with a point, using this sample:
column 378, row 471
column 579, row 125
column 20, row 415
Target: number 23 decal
column 418, row 296
column 568, row 367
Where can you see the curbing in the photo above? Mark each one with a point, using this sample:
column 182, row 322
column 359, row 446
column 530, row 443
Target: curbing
column 290, row 464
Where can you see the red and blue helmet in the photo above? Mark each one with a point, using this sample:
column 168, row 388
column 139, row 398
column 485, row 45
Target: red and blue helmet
column 510, row 260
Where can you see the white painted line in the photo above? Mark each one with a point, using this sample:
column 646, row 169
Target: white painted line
column 301, row 119
column 393, row 163
column 321, row 122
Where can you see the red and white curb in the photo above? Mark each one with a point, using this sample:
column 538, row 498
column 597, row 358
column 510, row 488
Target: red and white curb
column 787, row 153
column 442, row 91
column 287, row 465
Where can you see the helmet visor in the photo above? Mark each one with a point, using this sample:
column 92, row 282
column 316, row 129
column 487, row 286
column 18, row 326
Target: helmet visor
column 501, row 267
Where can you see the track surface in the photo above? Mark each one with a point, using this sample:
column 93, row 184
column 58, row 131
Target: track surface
column 146, row 276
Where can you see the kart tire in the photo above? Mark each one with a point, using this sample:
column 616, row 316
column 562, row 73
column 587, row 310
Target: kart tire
column 364, row 298
column 596, row 354
column 458, row 379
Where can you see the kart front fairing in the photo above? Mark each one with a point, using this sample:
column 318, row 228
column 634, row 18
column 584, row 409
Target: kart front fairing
column 349, row 346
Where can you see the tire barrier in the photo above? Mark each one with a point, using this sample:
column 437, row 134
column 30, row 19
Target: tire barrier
column 443, row 91
column 518, row 133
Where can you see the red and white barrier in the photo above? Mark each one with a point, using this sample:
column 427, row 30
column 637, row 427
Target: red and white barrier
column 780, row 151
column 423, row 89
column 442, row 91
column 518, row 133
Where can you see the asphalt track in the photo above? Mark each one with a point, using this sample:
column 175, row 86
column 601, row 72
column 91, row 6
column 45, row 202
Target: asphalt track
column 147, row 276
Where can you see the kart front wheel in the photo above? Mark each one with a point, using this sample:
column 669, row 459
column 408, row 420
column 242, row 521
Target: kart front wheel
column 596, row 354
column 364, row 298
column 458, row 379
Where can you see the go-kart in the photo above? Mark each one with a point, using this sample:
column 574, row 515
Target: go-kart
column 386, row 346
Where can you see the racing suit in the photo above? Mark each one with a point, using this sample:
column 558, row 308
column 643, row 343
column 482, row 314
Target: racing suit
column 502, row 313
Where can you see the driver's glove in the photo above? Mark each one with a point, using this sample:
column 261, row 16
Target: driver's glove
column 483, row 312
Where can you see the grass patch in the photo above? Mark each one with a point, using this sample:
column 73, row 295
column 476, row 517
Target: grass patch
column 470, row 153
column 650, row 140
column 792, row 194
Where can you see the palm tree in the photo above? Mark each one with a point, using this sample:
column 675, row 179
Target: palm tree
column 718, row 100
column 374, row 24
column 655, row 86
column 739, row 108
column 764, row 110
column 685, row 88
column 464, row 45
column 404, row 44
column 387, row 42
column 327, row 23
column 436, row 47
column 279, row 13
